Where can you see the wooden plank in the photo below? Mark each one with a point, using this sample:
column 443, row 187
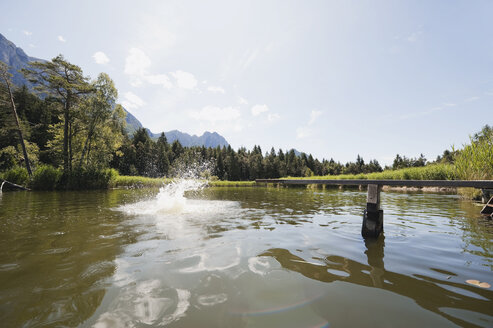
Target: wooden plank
column 480, row 184
column 488, row 208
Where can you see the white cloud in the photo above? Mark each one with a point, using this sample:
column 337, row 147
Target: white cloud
column 273, row 117
column 32, row 45
column 242, row 101
column 307, row 131
column 214, row 114
column 472, row 99
column 160, row 79
column 489, row 93
column 132, row 101
column 100, row 58
column 303, row 132
column 61, row 39
column 449, row 105
column 259, row 109
column 314, row 115
column 185, row 80
column 216, row 89
column 27, row 33
column 137, row 66
column 414, row 36
column 136, row 63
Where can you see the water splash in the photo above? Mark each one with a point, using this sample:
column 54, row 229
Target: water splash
column 187, row 177
column 170, row 199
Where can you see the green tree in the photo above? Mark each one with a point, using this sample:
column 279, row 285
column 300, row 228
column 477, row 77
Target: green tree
column 162, row 155
column 5, row 76
column 66, row 83
column 144, row 152
column 96, row 110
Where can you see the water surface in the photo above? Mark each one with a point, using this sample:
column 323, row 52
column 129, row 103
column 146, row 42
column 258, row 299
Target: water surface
column 241, row 257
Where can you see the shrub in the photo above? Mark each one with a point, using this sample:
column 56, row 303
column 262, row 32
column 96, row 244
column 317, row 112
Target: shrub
column 17, row 175
column 89, row 179
column 45, row 177
column 7, row 158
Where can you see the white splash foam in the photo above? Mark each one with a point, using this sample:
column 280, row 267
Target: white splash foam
column 170, row 199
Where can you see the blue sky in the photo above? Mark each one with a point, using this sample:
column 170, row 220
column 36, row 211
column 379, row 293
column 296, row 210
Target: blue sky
column 332, row 78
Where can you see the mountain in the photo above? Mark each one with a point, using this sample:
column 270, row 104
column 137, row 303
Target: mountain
column 17, row 59
column 296, row 152
column 208, row 139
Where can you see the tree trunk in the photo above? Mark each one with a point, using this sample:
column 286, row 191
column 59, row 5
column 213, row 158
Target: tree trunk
column 19, row 131
column 70, row 154
column 66, row 117
column 86, row 145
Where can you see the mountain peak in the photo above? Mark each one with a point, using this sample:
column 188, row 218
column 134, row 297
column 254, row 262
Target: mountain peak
column 207, row 139
column 17, row 59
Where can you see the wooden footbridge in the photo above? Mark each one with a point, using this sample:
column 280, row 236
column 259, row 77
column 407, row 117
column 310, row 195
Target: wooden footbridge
column 373, row 214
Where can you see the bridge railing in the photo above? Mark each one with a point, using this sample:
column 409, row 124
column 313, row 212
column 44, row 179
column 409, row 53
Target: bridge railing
column 480, row 184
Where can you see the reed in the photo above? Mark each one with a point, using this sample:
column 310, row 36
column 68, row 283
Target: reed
column 475, row 161
column 429, row 172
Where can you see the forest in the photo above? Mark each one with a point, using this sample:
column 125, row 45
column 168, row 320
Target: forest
column 67, row 131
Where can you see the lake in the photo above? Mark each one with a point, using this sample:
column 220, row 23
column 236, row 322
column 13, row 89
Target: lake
column 184, row 256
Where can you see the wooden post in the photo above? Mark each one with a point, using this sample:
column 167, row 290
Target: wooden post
column 373, row 215
column 486, row 194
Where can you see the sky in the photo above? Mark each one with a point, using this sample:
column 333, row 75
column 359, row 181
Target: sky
column 331, row 78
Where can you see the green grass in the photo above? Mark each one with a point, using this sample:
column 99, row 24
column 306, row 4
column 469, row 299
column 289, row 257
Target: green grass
column 430, row 172
column 138, row 182
column 219, row 183
column 143, row 182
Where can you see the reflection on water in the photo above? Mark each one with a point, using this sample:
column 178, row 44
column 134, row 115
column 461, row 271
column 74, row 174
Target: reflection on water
column 241, row 257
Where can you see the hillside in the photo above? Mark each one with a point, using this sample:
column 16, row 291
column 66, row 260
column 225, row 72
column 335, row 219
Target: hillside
column 17, row 59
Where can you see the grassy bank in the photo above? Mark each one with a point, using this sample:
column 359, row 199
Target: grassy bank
column 122, row 181
column 49, row 178
column 430, row 172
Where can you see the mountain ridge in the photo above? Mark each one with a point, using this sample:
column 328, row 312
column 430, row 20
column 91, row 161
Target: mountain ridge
column 17, row 59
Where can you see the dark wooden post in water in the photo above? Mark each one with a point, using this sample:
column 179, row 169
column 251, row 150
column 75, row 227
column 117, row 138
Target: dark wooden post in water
column 373, row 215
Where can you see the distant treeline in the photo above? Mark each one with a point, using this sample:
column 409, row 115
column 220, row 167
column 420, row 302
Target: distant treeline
column 73, row 124
column 142, row 156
